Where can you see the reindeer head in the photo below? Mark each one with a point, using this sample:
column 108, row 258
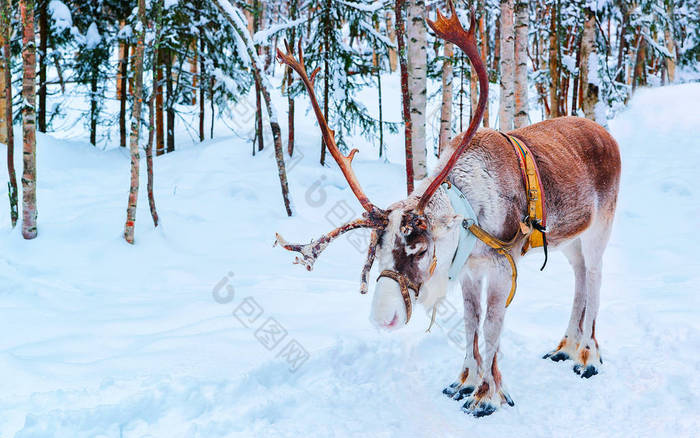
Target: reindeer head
column 415, row 244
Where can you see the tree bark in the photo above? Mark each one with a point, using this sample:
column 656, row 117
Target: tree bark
column 93, row 106
column 44, row 30
column 121, row 92
column 446, row 108
column 417, row 59
column 170, row 99
column 481, row 12
column 29, row 208
column 136, row 126
column 588, row 80
column 6, row 109
column 554, row 61
column 160, row 131
column 290, row 81
column 521, row 84
column 405, row 94
column 236, row 20
column 507, row 98
column 327, row 29
column 201, row 84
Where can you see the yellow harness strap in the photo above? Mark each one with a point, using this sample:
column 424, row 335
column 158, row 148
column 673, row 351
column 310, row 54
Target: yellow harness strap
column 502, row 248
column 534, row 192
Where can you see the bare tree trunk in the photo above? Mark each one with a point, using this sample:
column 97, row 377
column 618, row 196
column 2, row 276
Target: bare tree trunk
column 6, row 109
column 417, row 58
column 170, row 99
column 236, row 20
column 121, row 92
column 670, row 44
column 93, row 106
column 43, row 46
column 327, row 29
column 391, row 30
column 201, row 84
column 507, row 98
column 484, row 51
column 160, row 131
column 381, row 111
column 136, row 126
column 446, row 108
column 554, row 61
column 589, row 79
column 521, row 37
column 290, row 81
column 405, row 94
column 639, row 78
column 259, row 139
column 29, row 210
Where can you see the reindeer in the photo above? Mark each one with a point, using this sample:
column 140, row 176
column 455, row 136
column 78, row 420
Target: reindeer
column 415, row 240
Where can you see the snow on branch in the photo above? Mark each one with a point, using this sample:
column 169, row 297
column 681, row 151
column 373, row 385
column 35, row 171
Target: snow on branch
column 262, row 36
column 659, row 48
column 364, row 7
column 376, row 35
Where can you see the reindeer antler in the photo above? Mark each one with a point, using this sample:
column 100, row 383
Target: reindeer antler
column 344, row 162
column 450, row 29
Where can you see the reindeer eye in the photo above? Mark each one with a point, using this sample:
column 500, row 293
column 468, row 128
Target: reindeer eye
column 421, row 252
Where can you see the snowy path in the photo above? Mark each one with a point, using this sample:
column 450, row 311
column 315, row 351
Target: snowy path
column 100, row 339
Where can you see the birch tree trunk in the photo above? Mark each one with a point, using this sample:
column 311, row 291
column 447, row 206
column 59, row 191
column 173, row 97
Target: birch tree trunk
column 507, row 64
column 29, row 210
column 521, row 37
column 670, row 45
column 589, row 78
column 418, row 81
column 446, row 109
column 405, row 93
column 44, row 29
column 121, row 90
column 6, row 109
column 136, row 126
column 235, row 18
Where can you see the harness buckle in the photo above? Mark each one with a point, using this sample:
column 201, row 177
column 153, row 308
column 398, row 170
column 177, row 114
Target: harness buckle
column 532, row 195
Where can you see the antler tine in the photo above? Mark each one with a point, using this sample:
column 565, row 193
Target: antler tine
column 310, row 251
column 450, row 29
column 328, row 135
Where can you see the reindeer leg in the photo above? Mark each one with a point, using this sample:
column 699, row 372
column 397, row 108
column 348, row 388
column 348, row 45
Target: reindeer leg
column 468, row 377
column 569, row 343
column 490, row 394
column 593, row 242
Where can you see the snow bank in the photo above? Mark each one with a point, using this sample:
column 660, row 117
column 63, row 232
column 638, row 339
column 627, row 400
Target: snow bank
column 174, row 336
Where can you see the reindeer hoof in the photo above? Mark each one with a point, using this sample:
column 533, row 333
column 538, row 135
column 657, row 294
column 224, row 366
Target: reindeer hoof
column 585, row 371
column 556, row 356
column 451, row 390
column 478, row 408
column 463, row 392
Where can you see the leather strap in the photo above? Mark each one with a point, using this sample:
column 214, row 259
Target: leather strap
column 504, row 249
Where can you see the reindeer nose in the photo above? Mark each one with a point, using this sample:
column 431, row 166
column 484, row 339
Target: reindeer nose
column 392, row 323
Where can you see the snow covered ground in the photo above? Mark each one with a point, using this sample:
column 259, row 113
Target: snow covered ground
column 172, row 337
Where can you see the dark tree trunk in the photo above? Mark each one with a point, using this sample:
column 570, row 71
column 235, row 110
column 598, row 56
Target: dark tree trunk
column 201, row 84
column 160, row 132
column 123, row 72
column 170, row 99
column 93, row 106
column 405, row 96
column 43, row 46
column 7, row 110
column 256, row 66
